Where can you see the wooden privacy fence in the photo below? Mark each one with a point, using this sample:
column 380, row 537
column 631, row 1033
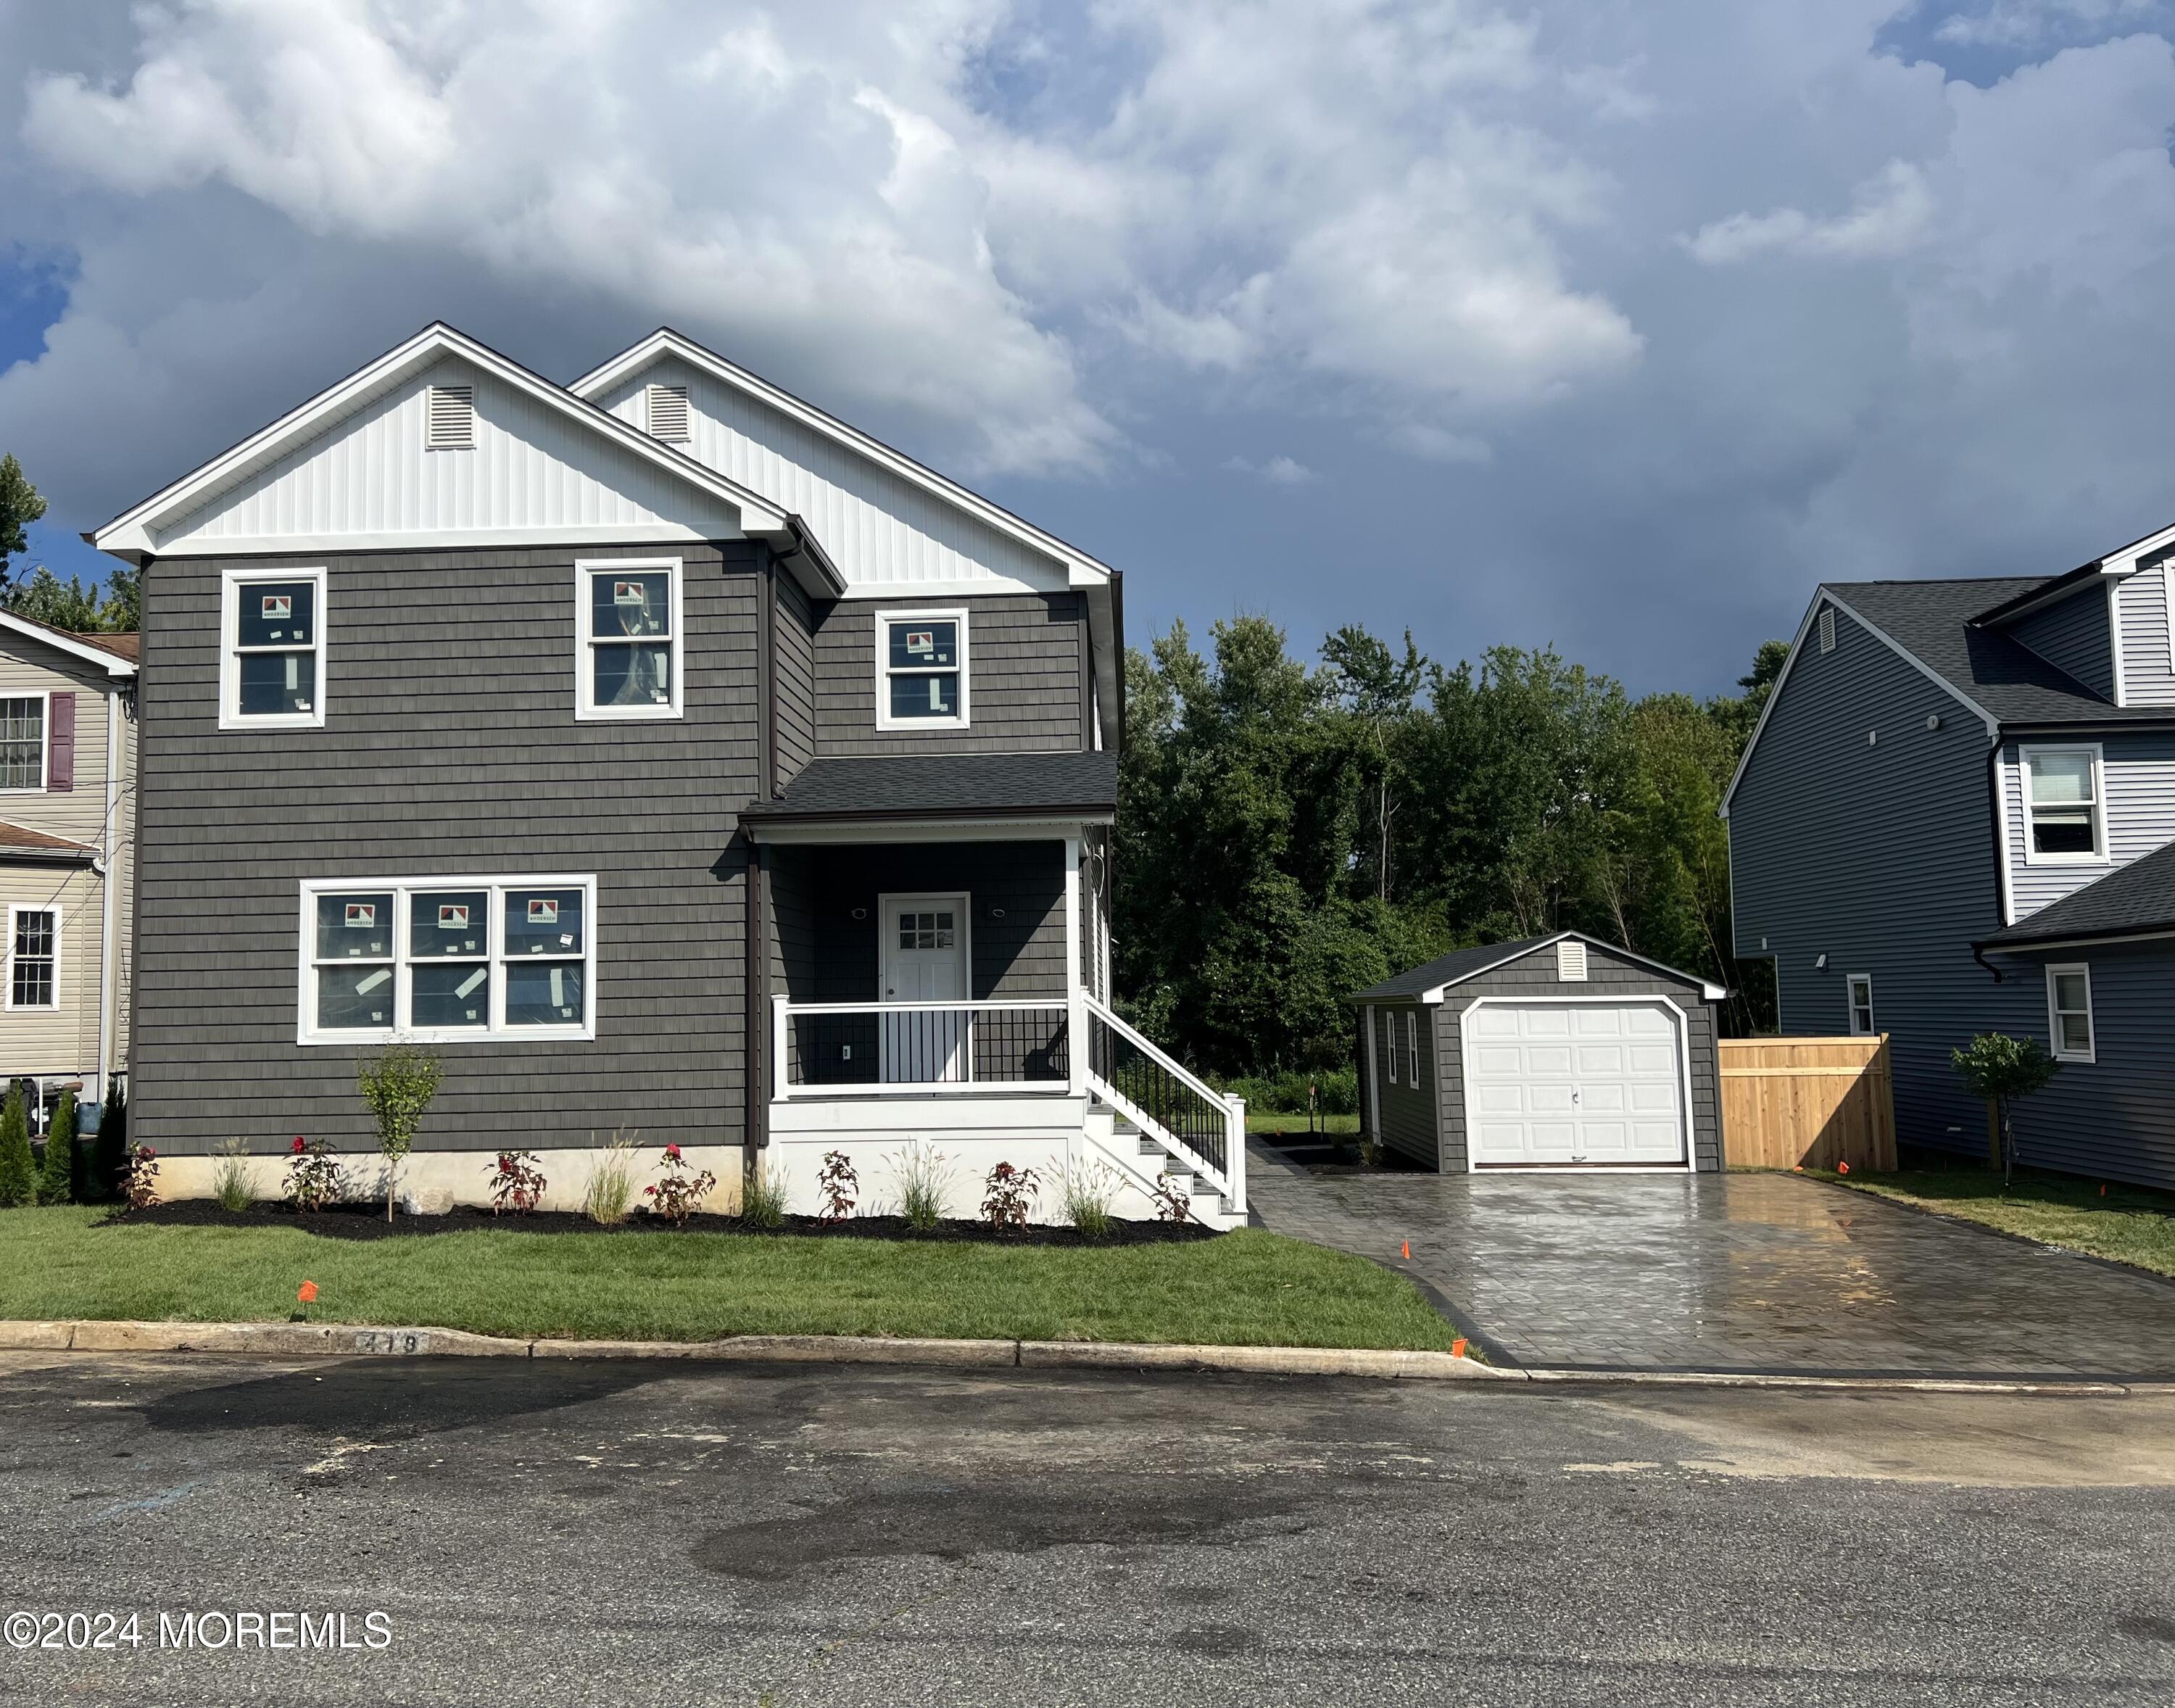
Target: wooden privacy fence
column 1808, row 1102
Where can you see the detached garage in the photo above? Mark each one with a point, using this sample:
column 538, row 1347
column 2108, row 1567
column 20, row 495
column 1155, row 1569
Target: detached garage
column 1559, row 1052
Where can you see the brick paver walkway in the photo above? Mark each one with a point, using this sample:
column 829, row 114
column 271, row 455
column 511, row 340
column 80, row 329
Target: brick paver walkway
column 1728, row 1272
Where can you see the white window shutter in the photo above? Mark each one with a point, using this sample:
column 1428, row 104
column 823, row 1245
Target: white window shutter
column 1570, row 960
column 668, row 413
column 450, row 424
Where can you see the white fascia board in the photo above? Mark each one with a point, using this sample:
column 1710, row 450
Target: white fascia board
column 2124, row 561
column 132, row 534
column 1710, row 992
column 804, row 831
column 2118, row 565
column 1080, row 569
column 112, row 663
column 318, row 544
column 1824, row 594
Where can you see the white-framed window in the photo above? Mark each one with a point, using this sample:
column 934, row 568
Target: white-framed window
column 1860, row 987
column 1390, row 1047
column 34, row 958
column 447, row 960
column 921, row 669
column 26, row 726
column 2069, row 1011
column 1412, row 1047
column 272, row 651
column 628, row 645
column 2065, row 806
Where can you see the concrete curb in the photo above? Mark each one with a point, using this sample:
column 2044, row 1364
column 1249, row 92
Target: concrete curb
column 349, row 1340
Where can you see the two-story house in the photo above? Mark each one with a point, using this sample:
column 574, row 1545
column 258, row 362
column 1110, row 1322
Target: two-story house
column 668, row 755
column 68, row 809
column 1956, row 816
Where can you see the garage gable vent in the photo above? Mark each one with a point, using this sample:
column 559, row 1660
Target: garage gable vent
column 1827, row 628
column 450, row 420
column 1570, row 960
column 668, row 412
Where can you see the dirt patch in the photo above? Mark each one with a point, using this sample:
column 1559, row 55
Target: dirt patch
column 367, row 1221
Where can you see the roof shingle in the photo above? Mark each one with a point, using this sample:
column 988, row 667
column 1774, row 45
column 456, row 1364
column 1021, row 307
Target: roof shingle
column 2139, row 897
column 946, row 785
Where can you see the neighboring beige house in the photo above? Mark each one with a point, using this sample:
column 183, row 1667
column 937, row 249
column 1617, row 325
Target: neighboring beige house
column 68, row 820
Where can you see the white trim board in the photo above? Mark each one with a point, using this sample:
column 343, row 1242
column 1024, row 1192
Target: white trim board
column 1434, row 997
column 61, row 641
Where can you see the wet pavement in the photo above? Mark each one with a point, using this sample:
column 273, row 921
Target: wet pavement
column 1750, row 1271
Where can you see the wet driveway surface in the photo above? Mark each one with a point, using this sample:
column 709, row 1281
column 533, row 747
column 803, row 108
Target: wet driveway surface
column 1761, row 1272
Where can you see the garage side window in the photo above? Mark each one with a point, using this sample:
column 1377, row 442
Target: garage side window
column 1861, row 1004
column 1390, row 1048
column 1412, row 1046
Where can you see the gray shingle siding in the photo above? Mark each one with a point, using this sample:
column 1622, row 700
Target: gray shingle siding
column 2074, row 633
column 1533, row 974
column 2112, row 1117
column 1023, row 658
column 450, row 748
column 1881, row 857
column 795, row 627
column 2148, row 671
column 1407, row 1112
column 2138, row 768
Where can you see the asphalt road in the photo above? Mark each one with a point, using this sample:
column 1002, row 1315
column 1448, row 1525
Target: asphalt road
column 640, row 1533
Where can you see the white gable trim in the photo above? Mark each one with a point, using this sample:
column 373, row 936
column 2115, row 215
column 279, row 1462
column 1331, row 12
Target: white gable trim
column 132, row 534
column 1434, row 997
column 61, row 641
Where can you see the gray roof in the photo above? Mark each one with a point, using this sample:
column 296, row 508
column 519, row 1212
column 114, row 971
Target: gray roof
column 2139, row 897
column 1934, row 621
column 1448, row 969
column 946, row 785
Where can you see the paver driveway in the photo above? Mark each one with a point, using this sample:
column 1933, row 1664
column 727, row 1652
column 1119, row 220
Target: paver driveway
column 1728, row 1272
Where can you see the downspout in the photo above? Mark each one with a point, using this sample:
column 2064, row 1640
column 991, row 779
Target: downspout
column 109, row 931
column 2003, row 903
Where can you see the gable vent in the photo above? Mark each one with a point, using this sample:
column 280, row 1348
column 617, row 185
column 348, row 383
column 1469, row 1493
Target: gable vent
column 1827, row 628
column 450, row 425
column 1570, row 960
column 668, row 412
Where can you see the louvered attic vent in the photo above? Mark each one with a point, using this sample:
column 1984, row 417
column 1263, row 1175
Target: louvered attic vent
column 1827, row 628
column 668, row 412
column 1570, row 960
column 451, row 424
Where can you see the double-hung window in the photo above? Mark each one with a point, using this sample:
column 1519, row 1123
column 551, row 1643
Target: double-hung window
column 272, row 654
column 1412, row 1047
column 447, row 960
column 22, row 742
column 2069, row 1011
column 2064, row 809
column 1860, row 985
column 921, row 669
column 34, row 957
column 628, row 620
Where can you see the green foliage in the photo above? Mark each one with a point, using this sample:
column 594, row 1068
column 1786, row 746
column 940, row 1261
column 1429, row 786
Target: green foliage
column 763, row 1197
column 18, row 1168
column 611, row 1192
column 57, row 1177
column 1288, row 836
column 20, row 506
column 230, row 1177
column 396, row 1088
column 2001, row 1069
column 45, row 597
column 109, row 1150
column 925, row 1183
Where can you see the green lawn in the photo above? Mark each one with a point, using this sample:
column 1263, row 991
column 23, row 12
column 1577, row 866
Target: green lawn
column 1264, row 1121
column 2130, row 1224
column 1245, row 1288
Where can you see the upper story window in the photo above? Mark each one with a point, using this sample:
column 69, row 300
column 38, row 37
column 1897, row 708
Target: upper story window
column 447, row 960
column 2069, row 1011
column 921, row 669
column 2064, row 806
column 272, row 662
column 628, row 620
column 22, row 742
column 34, row 957
column 1860, row 986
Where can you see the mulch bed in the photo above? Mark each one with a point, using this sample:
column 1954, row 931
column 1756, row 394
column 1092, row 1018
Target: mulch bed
column 367, row 1221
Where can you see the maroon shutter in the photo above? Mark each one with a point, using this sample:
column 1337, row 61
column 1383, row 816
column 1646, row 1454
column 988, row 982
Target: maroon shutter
column 60, row 744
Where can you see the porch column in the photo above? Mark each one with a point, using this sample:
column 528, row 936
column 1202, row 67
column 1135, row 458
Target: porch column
column 1076, row 1011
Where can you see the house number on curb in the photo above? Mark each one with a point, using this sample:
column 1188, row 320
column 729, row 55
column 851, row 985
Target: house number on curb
column 374, row 1340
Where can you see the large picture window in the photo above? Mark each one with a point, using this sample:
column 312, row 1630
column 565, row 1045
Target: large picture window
column 629, row 652
column 2064, row 820
column 22, row 742
column 447, row 960
column 921, row 669
column 34, row 957
column 272, row 658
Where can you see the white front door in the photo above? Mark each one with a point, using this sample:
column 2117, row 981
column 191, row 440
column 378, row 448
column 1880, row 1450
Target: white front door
column 1573, row 1084
column 922, row 958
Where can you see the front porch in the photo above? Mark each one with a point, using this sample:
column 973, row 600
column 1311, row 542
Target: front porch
column 947, row 984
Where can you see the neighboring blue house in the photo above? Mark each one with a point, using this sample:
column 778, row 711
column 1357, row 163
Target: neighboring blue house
column 1956, row 816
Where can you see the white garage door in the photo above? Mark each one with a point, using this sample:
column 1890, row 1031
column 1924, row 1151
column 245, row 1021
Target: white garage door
column 1573, row 1084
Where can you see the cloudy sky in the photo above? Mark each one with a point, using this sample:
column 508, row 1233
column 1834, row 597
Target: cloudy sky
column 1618, row 325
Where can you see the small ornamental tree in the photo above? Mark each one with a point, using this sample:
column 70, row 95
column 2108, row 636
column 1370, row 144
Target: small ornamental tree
column 2002, row 1069
column 109, row 1150
column 398, row 1088
column 57, row 1178
column 19, row 1169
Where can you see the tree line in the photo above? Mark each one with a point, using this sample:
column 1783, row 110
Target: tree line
column 1288, row 833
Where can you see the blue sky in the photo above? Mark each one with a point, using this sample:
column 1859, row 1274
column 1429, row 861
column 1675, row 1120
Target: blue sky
column 1614, row 326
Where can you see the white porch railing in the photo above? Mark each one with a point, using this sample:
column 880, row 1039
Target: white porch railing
column 1199, row 1127
column 880, row 1049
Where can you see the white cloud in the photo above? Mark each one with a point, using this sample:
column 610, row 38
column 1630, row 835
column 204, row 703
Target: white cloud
column 2017, row 24
column 1277, row 471
column 1891, row 214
